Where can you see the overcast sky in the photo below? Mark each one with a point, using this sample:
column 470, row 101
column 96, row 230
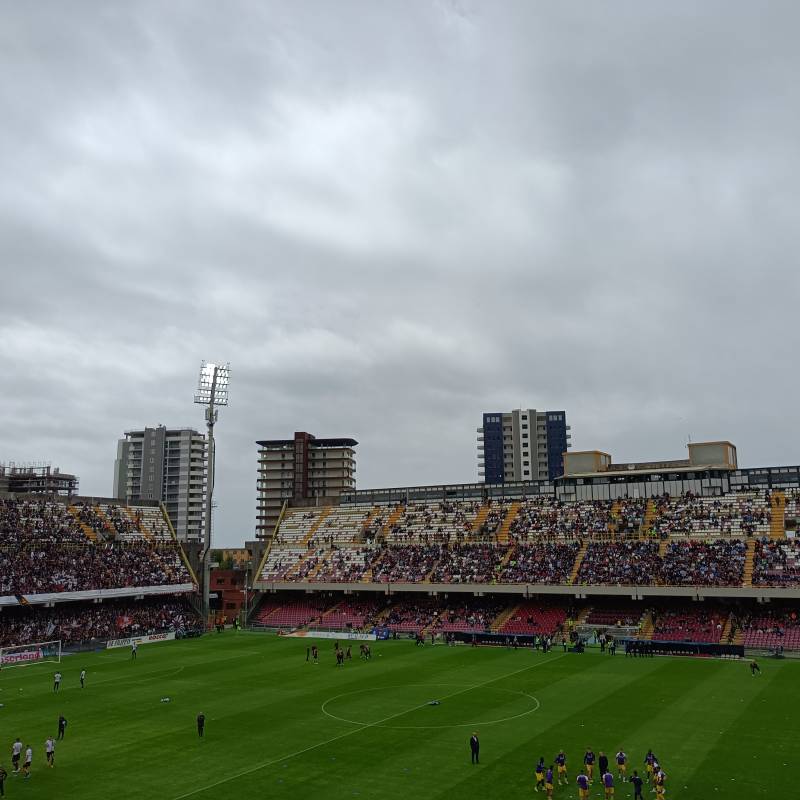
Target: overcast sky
column 391, row 217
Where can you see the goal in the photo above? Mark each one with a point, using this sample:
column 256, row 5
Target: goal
column 21, row 655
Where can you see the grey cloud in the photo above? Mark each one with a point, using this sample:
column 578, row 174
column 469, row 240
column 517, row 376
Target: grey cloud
column 392, row 220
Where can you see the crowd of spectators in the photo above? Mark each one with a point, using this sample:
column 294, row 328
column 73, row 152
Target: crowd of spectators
column 543, row 562
column 732, row 514
column 468, row 563
column 434, row 523
column 548, row 518
column 719, row 562
column 631, row 563
column 688, row 625
column 776, row 563
column 344, row 565
column 405, row 563
column 40, row 567
column 81, row 622
column 39, row 521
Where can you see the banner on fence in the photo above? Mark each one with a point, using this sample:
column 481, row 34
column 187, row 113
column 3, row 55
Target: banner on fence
column 343, row 635
column 153, row 637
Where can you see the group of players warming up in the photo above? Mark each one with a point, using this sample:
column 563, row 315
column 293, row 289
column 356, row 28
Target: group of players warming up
column 548, row 776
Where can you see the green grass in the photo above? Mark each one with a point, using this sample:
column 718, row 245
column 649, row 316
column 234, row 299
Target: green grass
column 718, row 731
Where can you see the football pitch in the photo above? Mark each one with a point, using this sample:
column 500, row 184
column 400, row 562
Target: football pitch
column 279, row 727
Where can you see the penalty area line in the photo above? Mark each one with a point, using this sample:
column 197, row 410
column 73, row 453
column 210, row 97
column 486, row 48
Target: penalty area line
column 363, row 727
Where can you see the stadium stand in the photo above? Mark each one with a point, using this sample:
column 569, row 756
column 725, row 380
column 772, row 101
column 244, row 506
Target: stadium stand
column 534, row 618
column 776, row 563
column 778, row 628
column 544, row 562
column 78, row 623
column 688, row 625
column 719, row 562
column 741, row 514
column 45, row 547
column 630, row 563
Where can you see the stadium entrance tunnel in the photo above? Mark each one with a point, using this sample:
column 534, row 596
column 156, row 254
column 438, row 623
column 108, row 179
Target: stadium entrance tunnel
column 421, row 706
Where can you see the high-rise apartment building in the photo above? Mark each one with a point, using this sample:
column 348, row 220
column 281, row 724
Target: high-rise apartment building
column 300, row 469
column 522, row 445
column 167, row 465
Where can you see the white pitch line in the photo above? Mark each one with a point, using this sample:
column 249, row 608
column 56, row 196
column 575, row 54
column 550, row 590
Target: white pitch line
column 344, row 735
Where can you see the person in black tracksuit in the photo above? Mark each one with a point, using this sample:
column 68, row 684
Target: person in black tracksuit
column 474, row 746
column 637, row 785
column 201, row 724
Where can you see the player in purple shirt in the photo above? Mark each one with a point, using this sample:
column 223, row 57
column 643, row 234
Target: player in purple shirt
column 608, row 785
column 548, row 781
column 583, row 786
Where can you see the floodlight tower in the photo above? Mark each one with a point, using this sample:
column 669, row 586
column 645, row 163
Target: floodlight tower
column 212, row 391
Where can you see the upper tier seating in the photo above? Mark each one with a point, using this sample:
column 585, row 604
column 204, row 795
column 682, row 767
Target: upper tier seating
column 38, row 521
column 433, row 523
column 745, row 513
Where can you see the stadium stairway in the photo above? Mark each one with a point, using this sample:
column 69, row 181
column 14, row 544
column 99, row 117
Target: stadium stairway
column 321, row 620
column 111, row 530
column 583, row 615
column 726, row 630
column 503, row 617
column 90, row 534
column 777, row 518
column 432, row 570
column 392, row 521
column 370, row 571
column 376, row 510
column 502, row 532
column 747, row 575
column 317, row 522
column 662, row 548
column 132, row 517
column 480, row 518
column 510, row 550
column 649, row 518
column 577, row 565
column 646, row 627
column 613, row 525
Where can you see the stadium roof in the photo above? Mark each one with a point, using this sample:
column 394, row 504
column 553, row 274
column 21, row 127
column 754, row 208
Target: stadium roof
column 312, row 442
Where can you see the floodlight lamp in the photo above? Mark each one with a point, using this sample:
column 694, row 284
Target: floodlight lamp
column 212, row 386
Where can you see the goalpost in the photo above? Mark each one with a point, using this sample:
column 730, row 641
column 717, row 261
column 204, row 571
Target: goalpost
column 21, row 655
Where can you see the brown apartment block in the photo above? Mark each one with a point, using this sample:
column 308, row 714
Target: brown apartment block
column 298, row 471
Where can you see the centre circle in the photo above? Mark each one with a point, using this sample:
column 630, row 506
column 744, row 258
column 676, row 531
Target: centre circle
column 418, row 706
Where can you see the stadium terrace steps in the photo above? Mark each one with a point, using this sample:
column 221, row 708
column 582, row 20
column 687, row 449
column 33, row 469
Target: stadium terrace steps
column 433, row 569
column 317, row 522
column 777, row 519
column 577, row 565
column 331, row 610
column 90, row 534
column 747, row 574
column 647, row 626
column 503, row 617
column 370, row 571
column 109, row 525
column 503, row 531
column 613, row 525
column 649, row 517
column 394, row 517
column 480, row 518
column 506, row 558
column 726, row 630
column 376, row 510
column 662, row 548
column 583, row 615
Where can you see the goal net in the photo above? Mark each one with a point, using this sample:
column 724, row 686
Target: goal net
column 21, row 655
